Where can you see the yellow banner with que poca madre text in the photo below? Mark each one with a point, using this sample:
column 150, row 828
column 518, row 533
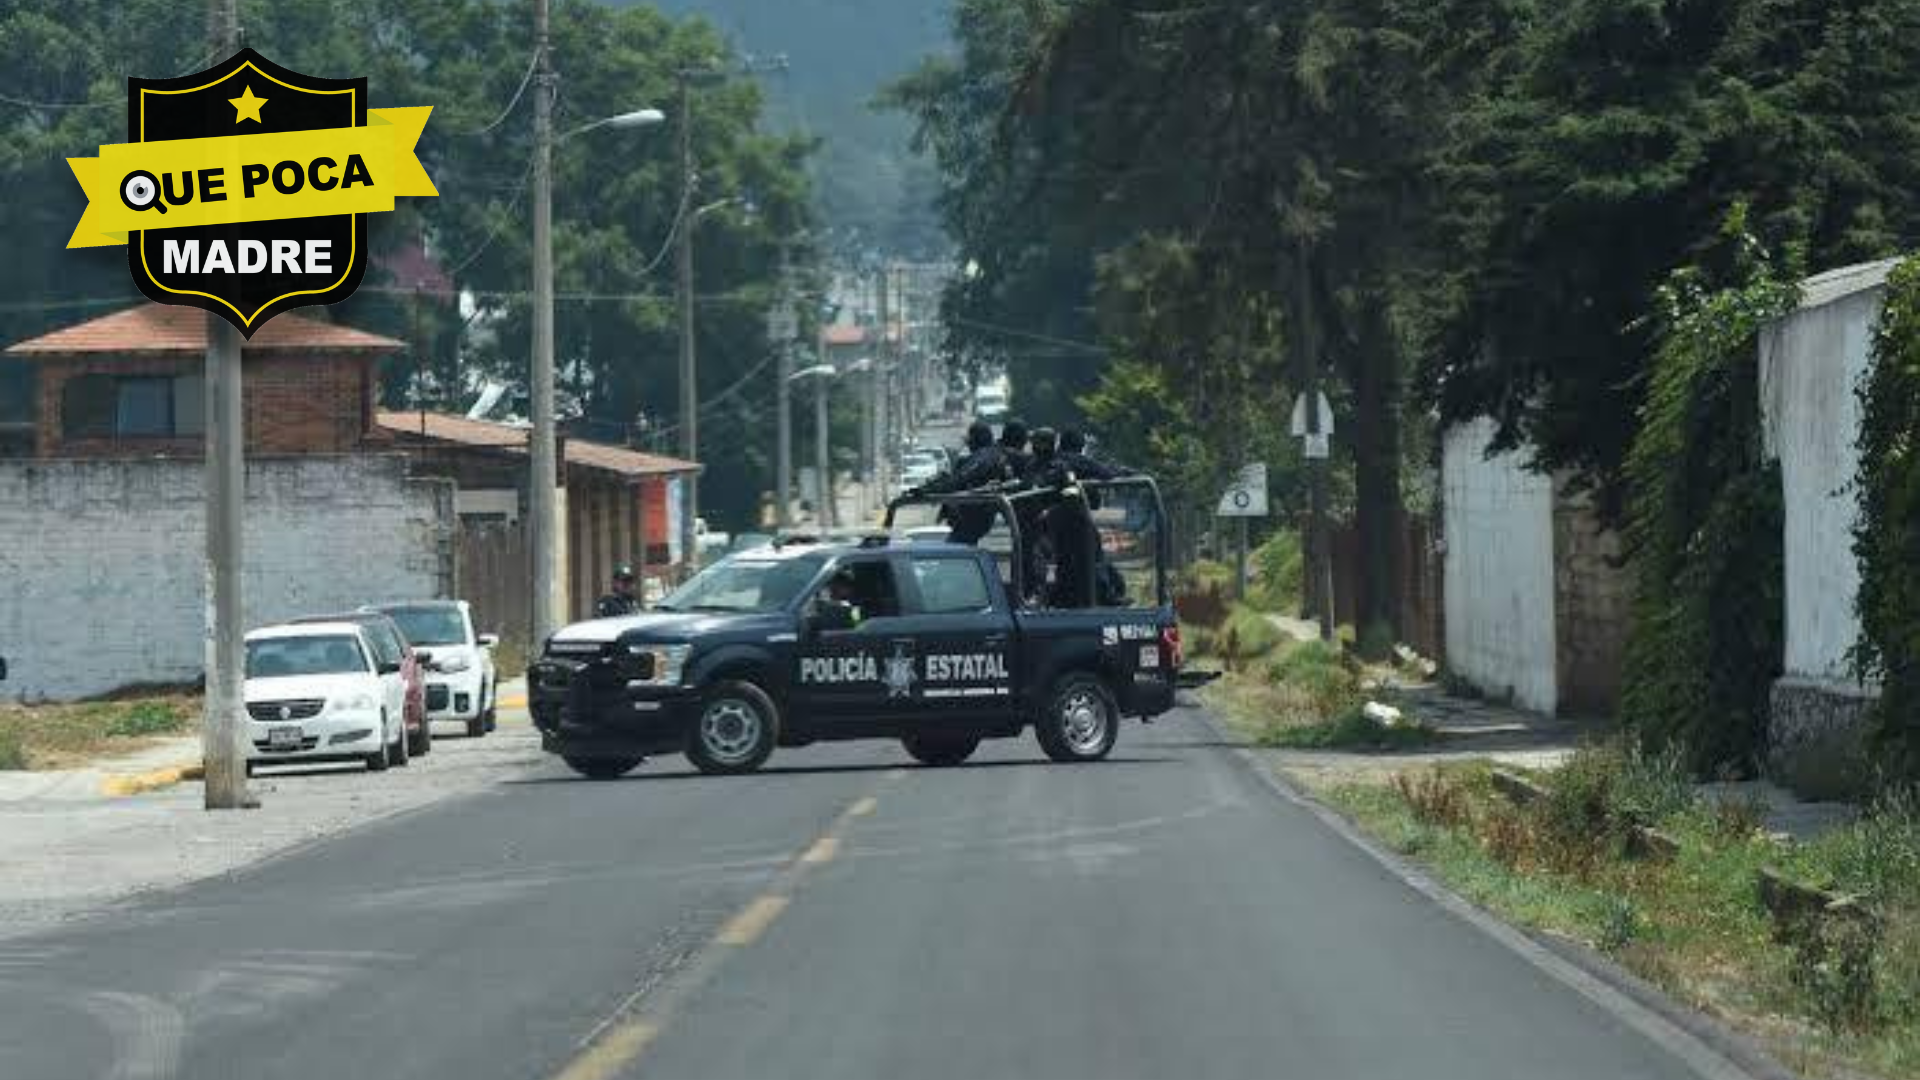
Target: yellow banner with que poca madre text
column 233, row 178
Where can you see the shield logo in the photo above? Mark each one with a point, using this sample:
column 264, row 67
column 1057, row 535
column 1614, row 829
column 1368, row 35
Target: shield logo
column 246, row 94
column 286, row 712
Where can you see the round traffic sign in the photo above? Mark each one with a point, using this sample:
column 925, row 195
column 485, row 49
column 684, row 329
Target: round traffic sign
column 1242, row 499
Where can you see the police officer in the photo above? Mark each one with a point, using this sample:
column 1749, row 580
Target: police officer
column 842, row 592
column 621, row 601
column 985, row 464
column 1013, row 444
column 1074, row 458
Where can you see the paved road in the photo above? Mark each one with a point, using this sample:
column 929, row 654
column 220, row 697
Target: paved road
column 841, row 916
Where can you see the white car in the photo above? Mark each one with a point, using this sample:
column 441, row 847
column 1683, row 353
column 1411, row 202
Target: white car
column 459, row 662
column 315, row 692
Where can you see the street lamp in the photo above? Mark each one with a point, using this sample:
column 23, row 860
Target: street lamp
column 543, row 498
column 825, row 373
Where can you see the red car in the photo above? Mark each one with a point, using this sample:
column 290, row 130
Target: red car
column 394, row 650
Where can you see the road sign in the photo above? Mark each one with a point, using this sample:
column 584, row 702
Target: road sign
column 1248, row 495
column 1299, row 425
column 782, row 324
column 1317, row 446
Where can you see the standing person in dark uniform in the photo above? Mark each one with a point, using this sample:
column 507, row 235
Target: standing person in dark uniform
column 621, row 601
column 1013, row 444
column 984, row 464
column 1075, row 459
column 1034, row 511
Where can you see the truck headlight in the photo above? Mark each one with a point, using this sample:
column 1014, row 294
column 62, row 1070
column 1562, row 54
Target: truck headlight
column 669, row 663
column 451, row 665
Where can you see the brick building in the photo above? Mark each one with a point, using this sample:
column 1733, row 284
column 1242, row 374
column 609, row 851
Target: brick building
column 130, row 384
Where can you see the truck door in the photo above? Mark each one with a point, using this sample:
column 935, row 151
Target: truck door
column 853, row 673
column 965, row 638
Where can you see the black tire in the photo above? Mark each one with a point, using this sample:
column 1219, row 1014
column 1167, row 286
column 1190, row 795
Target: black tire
column 381, row 758
column 736, row 731
column 477, row 726
column 400, row 751
column 490, row 712
column 602, row 768
column 421, row 744
column 940, row 749
column 1081, row 720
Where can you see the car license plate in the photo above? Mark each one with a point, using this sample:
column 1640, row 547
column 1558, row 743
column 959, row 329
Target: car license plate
column 1150, row 656
column 283, row 738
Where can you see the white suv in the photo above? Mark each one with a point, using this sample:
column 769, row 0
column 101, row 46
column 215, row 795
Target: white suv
column 315, row 692
column 458, row 662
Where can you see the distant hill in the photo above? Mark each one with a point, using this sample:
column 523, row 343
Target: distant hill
column 841, row 52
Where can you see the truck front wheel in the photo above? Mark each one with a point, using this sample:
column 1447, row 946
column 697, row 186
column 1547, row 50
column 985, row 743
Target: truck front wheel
column 940, row 749
column 736, row 730
column 1081, row 720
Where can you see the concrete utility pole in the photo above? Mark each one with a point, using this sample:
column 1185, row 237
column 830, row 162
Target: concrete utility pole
column 224, row 747
column 829, row 514
column 783, row 457
column 689, row 390
column 1320, row 557
column 543, row 497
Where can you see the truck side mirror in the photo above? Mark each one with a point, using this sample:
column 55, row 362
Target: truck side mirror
column 423, row 657
column 488, row 641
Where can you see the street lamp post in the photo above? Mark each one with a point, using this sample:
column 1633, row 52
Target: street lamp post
column 824, row 373
column 543, row 496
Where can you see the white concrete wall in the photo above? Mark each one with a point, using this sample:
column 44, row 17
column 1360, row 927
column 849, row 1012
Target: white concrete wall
column 102, row 572
column 1811, row 364
column 1499, row 569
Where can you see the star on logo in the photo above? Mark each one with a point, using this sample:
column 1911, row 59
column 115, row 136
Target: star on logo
column 899, row 675
column 246, row 106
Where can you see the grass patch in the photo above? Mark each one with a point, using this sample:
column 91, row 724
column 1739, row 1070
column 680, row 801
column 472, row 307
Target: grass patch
column 1845, row 999
column 1352, row 730
column 1247, row 636
column 67, row 735
column 1322, row 673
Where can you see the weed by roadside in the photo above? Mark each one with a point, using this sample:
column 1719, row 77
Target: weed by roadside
column 1321, row 672
column 1841, row 988
column 64, row 735
column 1351, row 730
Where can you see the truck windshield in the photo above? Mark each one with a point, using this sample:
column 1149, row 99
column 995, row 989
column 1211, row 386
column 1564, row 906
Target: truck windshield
column 745, row 584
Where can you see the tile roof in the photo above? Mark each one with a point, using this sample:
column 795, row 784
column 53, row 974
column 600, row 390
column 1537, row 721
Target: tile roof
column 841, row 334
column 158, row 328
column 444, row 427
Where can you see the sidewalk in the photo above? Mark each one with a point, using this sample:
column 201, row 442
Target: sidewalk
column 67, row 847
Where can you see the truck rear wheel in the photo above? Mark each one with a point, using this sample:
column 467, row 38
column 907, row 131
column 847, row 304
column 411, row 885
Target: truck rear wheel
column 940, row 749
column 1081, row 720
column 736, row 730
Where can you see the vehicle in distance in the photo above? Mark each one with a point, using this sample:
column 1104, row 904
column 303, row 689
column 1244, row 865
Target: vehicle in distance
column 754, row 653
column 459, row 661
column 315, row 692
column 398, row 663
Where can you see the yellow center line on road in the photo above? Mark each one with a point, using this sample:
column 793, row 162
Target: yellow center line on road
column 746, row 927
column 618, row 1043
column 614, row 1050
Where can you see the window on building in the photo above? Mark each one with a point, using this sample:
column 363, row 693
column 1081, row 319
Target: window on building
column 132, row 407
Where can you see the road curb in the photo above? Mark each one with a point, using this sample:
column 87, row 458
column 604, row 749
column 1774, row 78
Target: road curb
column 1706, row 1045
column 117, row 787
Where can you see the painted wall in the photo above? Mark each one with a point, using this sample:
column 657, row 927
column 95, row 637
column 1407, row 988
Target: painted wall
column 1810, row 366
column 1499, row 576
column 102, row 572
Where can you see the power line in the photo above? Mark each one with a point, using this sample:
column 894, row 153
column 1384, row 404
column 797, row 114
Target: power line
column 23, row 103
column 532, row 62
column 1046, row 339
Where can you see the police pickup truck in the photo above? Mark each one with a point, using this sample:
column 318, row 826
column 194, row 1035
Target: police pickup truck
column 882, row 638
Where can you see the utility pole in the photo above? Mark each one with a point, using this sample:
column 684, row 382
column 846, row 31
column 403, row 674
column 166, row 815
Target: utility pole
column 784, row 329
column 543, row 496
column 689, row 390
column 224, row 749
column 1320, row 558
column 829, row 514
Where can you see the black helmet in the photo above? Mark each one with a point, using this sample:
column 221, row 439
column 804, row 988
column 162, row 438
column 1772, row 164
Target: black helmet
column 623, row 572
column 1014, row 435
column 979, row 435
column 1045, row 441
column 1073, row 441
